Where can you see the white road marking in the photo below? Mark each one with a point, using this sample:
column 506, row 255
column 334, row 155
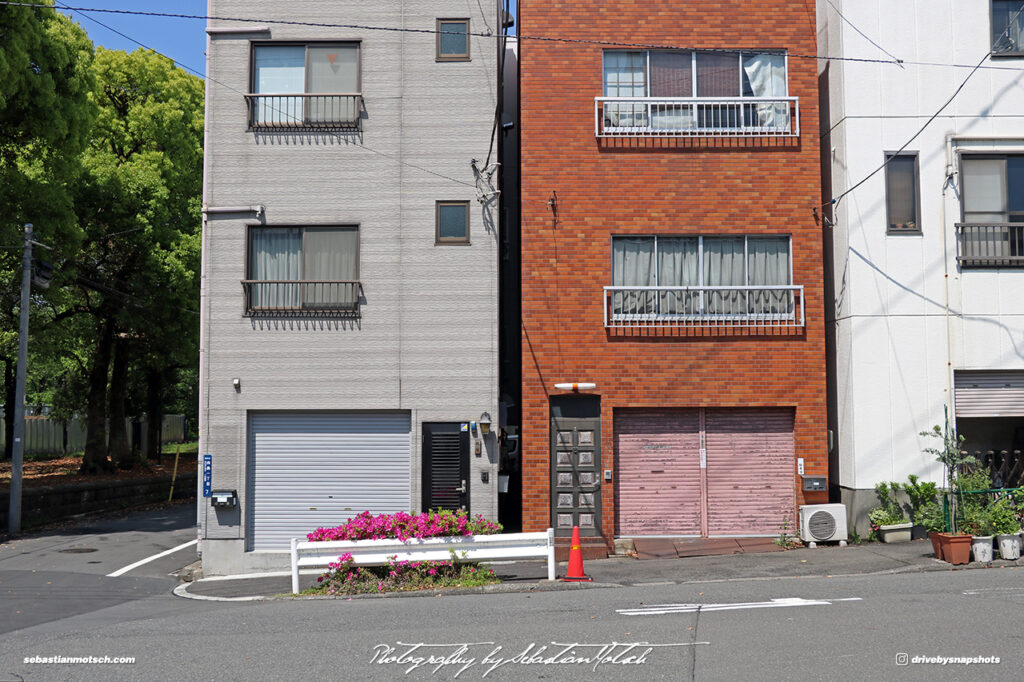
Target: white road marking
column 662, row 609
column 130, row 567
column 182, row 591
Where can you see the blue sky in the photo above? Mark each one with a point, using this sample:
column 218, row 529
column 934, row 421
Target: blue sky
column 183, row 40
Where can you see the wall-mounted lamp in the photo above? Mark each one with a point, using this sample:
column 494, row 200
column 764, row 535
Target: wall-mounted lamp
column 237, row 383
column 485, row 423
column 576, row 387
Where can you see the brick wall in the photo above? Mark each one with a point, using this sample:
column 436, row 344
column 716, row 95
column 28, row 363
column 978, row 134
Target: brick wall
column 696, row 186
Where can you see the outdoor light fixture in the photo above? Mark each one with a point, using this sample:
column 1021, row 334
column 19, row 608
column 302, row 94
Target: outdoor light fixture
column 237, row 383
column 576, row 387
column 485, row 423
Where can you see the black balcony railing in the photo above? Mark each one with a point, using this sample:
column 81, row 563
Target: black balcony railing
column 298, row 112
column 990, row 245
column 290, row 298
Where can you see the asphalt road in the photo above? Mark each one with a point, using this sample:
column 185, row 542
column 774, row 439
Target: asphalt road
column 843, row 628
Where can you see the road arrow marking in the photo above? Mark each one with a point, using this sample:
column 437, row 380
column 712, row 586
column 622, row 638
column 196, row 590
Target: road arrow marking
column 662, row 609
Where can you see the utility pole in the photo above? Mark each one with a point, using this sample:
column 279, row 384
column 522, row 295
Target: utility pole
column 17, row 452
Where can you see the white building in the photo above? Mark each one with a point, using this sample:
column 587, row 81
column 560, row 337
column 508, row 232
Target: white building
column 928, row 252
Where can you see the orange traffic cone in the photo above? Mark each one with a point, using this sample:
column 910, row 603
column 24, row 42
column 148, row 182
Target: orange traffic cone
column 575, row 573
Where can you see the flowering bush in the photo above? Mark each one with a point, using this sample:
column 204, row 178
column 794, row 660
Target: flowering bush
column 403, row 526
column 344, row 578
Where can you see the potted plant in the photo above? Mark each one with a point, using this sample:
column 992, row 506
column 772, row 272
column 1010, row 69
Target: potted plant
column 932, row 521
column 924, row 500
column 1006, row 525
column 888, row 519
column 977, row 515
column 955, row 547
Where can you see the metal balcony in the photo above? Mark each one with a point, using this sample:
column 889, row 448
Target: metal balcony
column 758, row 307
column 696, row 117
column 297, row 112
column 990, row 245
column 305, row 298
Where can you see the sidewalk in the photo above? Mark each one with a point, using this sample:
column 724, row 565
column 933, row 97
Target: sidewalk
column 868, row 558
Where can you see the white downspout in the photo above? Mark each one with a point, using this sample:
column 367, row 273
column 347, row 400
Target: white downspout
column 950, row 174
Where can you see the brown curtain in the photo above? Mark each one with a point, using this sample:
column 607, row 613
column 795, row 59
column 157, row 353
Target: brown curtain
column 718, row 74
column 671, row 74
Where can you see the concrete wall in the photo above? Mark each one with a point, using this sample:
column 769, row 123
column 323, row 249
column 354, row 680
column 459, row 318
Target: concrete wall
column 426, row 340
column 905, row 315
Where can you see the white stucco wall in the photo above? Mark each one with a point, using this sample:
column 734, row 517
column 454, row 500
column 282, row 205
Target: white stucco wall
column 896, row 344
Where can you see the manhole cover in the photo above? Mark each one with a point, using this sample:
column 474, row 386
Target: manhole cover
column 77, row 550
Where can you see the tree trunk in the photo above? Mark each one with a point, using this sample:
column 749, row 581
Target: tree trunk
column 10, row 395
column 120, row 449
column 154, row 413
column 95, row 459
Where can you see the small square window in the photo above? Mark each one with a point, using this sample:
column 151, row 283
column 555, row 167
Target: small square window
column 453, row 40
column 452, row 222
column 901, row 193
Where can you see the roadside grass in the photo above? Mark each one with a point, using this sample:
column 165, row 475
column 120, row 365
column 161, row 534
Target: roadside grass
column 346, row 579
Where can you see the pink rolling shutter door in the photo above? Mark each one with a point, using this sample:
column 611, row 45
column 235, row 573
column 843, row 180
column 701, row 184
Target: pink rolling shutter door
column 750, row 470
column 658, row 469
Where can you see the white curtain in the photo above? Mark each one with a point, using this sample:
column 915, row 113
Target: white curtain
column 330, row 256
column 280, row 70
column 724, row 266
column 766, row 74
column 768, row 265
column 678, row 267
column 633, row 265
column 275, row 254
column 333, row 70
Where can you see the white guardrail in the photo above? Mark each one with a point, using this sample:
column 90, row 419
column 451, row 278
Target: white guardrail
column 307, row 554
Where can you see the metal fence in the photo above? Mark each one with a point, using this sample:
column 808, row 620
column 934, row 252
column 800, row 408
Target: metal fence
column 289, row 112
column 982, row 245
column 301, row 298
column 732, row 306
column 45, row 436
column 696, row 116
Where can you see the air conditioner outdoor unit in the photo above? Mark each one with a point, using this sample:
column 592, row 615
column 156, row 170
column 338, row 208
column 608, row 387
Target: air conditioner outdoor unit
column 823, row 523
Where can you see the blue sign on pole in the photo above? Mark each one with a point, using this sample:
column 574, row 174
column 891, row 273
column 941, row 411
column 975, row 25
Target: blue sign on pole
column 207, row 475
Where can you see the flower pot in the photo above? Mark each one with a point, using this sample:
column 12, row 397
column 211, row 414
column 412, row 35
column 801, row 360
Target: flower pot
column 936, row 544
column 956, row 549
column 897, row 532
column 981, row 548
column 1009, row 546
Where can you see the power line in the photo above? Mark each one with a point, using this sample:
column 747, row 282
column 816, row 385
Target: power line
column 863, row 35
column 835, row 201
column 225, row 85
column 490, row 34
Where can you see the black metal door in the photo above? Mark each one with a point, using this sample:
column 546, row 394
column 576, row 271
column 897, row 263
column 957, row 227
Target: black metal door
column 576, row 475
column 446, row 466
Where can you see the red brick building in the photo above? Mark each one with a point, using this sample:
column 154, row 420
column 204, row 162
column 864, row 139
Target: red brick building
column 672, row 258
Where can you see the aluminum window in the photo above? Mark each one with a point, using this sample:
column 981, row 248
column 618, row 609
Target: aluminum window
column 902, row 193
column 453, row 40
column 1008, row 27
column 452, row 222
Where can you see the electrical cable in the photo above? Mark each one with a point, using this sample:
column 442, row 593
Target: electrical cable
column 434, row 31
column 863, row 35
column 889, row 157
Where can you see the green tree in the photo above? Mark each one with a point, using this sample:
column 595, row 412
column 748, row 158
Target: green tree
column 139, row 202
column 46, row 114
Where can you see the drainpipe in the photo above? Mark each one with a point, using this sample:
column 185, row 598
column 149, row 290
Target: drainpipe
column 950, row 174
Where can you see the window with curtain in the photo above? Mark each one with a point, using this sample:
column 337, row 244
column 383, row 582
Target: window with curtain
column 326, row 75
column 700, row 74
column 1008, row 26
column 901, row 193
column 704, row 263
column 304, row 267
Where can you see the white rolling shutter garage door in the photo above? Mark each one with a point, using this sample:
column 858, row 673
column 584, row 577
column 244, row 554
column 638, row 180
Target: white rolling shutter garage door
column 320, row 469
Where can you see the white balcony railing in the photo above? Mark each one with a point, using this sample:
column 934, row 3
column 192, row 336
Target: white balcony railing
column 718, row 307
column 696, row 117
